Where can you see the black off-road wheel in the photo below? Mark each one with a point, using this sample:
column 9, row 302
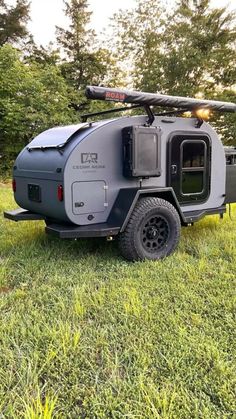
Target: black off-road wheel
column 152, row 232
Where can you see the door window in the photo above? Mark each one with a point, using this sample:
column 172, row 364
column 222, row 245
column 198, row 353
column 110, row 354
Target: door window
column 193, row 162
column 194, row 153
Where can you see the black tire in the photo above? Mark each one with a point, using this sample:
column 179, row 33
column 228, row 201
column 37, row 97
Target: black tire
column 152, row 232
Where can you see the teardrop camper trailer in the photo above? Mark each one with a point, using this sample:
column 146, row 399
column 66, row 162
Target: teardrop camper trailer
column 137, row 177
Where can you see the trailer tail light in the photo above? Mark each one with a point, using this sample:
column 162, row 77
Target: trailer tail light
column 60, row 193
column 14, row 185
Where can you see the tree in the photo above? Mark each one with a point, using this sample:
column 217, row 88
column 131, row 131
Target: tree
column 33, row 53
column 199, row 45
column 137, row 39
column 13, row 21
column 32, row 98
column 225, row 123
column 85, row 61
column 188, row 51
column 81, row 64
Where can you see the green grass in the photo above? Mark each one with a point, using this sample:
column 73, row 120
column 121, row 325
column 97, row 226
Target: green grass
column 85, row 334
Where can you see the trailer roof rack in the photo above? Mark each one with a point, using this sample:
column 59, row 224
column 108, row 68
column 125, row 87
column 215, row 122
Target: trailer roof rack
column 151, row 99
column 85, row 116
column 148, row 109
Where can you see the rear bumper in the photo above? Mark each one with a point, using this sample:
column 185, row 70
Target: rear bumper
column 71, row 231
column 65, row 231
column 22, row 215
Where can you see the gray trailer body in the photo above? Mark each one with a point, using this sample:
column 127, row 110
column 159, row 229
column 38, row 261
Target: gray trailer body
column 134, row 177
column 90, row 168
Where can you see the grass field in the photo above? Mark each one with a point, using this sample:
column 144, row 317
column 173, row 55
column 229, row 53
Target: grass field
column 85, row 334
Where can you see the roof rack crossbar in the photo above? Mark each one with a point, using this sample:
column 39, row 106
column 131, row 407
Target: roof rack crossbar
column 105, row 112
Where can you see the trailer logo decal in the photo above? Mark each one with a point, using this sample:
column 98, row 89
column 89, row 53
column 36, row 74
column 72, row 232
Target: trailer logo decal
column 116, row 96
column 89, row 158
column 89, row 163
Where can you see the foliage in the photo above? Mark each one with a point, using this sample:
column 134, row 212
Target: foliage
column 77, row 38
column 37, row 53
column 13, row 21
column 225, row 124
column 85, row 334
column 32, row 99
column 85, row 62
column 188, row 51
column 136, row 33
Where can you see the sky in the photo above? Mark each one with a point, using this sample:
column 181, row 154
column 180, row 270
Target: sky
column 45, row 14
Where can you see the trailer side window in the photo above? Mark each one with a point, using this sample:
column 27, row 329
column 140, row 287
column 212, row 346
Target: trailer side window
column 193, row 171
column 193, row 154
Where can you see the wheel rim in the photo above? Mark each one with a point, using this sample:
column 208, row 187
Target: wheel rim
column 155, row 233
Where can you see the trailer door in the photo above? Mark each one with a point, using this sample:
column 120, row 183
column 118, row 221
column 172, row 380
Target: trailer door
column 89, row 197
column 189, row 167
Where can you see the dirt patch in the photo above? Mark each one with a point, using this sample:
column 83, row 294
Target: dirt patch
column 5, row 290
column 6, row 184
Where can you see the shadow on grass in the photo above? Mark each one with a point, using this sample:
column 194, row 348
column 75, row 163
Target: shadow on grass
column 37, row 243
column 207, row 225
column 33, row 240
column 81, row 247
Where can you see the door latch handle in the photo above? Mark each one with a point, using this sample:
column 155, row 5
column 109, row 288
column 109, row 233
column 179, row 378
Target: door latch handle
column 173, row 169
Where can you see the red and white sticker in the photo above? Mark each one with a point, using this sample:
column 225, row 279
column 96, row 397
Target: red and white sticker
column 116, row 96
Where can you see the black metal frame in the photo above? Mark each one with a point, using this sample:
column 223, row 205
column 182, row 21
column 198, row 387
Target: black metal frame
column 202, row 169
column 151, row 115
column 22, row 215
column 85, row 116
column 189, row 136
column 119, row 216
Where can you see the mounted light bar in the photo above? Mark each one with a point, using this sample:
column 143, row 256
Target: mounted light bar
column 149, row 99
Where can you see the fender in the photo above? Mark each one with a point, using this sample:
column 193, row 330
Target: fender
column 128, row 197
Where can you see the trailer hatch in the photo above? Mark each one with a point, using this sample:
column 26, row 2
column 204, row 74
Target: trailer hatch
column 89, row 197
column 57, row 137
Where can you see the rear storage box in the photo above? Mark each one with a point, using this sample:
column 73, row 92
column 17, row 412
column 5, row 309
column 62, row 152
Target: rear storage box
column 141, row 150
